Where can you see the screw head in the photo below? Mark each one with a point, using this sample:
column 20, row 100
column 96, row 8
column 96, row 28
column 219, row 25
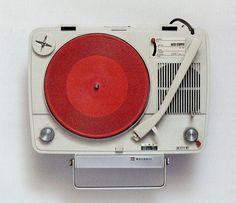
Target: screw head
column 191, row 135
column 47, row 134
column 43, row 44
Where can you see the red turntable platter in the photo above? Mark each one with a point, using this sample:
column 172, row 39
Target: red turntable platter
column 96, row 86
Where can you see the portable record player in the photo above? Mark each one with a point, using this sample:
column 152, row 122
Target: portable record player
column 119, row 99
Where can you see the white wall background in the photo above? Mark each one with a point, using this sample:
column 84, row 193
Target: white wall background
column 26, row 176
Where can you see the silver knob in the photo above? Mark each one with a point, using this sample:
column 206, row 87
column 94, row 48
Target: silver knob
column 47, row 134
column 191, row 135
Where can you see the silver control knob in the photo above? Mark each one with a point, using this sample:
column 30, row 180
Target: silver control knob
column 191, row 135
column 47, row 134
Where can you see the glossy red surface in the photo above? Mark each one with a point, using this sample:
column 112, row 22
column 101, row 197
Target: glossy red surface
column 96, row 86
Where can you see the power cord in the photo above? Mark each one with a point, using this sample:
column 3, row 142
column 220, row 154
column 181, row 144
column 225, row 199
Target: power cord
column 191, row 29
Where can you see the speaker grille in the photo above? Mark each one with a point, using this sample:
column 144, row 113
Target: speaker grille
column 187, row 97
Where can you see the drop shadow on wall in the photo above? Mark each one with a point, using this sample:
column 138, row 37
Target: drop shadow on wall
column 51, row 175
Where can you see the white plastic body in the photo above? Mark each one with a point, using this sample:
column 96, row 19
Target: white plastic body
column 171, row 127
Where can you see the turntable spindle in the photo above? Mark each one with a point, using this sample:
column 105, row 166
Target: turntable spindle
column 96, row 86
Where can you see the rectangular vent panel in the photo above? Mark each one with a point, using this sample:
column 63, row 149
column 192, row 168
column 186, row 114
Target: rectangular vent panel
column 187, row 97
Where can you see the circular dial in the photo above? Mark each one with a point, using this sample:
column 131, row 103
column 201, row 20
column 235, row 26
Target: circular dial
column 191, row 135
column 96, row 86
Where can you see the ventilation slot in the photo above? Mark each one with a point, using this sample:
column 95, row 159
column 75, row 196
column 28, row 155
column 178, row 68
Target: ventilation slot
column 187, row 97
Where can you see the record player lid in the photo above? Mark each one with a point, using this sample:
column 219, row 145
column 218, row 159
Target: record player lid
column 96, row 86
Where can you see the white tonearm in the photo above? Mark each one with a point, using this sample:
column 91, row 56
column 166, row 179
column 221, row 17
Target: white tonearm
column 142, row 129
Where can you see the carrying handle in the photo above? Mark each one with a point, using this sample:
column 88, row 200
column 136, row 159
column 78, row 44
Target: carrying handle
column 73, row 163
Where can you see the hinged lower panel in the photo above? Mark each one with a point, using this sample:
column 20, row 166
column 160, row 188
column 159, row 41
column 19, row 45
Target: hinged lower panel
column 119, row 171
